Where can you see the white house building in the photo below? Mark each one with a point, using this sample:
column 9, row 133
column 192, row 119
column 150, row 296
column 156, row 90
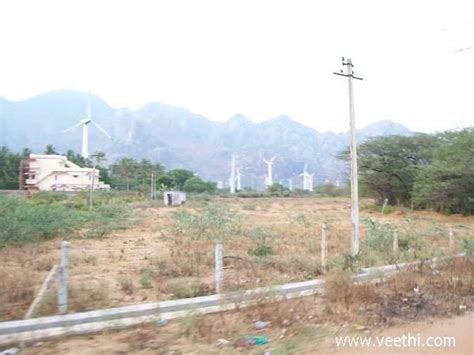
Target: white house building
column 56, row 173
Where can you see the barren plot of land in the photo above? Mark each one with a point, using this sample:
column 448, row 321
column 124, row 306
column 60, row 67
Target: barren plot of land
column 169, row 252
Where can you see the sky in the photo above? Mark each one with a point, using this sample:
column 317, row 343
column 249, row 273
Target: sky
column 255, row 57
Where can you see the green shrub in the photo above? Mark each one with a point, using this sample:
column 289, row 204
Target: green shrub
column 262, row 249
column 146, row 276
column 379, row 236
column 209, row 223
column 25, row 221
column 262, row 242
column 187, row 287
column 127, row 286
column 467, row 246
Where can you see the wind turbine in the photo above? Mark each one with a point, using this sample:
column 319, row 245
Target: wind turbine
column 290, row 184
column 85, row 130
column 269, row 178
column 307, row 179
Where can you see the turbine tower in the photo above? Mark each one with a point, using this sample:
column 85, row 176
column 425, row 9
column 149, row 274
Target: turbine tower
column 307, row 179
column 310, row 182
column 269, row 178
column 238, row 179
column 290, row 184
column 232, row 175
column 85, row 130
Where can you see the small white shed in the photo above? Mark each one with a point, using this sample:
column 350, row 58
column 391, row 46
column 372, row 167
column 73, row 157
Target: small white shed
column 174, row 198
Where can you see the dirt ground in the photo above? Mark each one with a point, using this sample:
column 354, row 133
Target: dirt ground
column 121, row 268
column 315, row 340
column 136, row 265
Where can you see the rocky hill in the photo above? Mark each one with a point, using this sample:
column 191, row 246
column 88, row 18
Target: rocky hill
column 178, row 138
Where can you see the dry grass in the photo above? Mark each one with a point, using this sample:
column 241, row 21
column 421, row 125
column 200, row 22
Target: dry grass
column 151, row 254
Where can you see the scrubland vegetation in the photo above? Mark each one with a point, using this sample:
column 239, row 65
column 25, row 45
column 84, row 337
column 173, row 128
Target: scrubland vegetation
column 128, row 250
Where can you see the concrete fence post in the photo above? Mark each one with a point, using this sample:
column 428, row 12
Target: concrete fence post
column 219, row 267
column 324, row 247
column 395, row 242
column 451, row 239
column 63, row 273
column 385, row 202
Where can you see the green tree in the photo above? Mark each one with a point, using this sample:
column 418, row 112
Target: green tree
column 179, row 177
column 77, row 159
column 276, row 187
column 388, row 166
column 125, row 171
column 10, row 167
column 447, row 185
column 196, row 184
column 50, row 150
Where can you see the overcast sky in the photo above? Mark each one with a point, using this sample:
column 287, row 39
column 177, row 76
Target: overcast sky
column 258, row 58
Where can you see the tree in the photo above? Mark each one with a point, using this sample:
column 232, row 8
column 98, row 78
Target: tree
column 388, row 166
column 77, row 159
column 179, row 177
column 447, row 185
column 135, row 175
column 125, row 170
column 276, row 187
column 196, row 184
column 50, row 150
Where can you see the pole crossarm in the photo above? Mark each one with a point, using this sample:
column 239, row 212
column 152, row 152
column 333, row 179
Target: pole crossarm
column 352, row 76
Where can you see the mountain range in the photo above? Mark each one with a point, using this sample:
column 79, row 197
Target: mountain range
column 178, row 138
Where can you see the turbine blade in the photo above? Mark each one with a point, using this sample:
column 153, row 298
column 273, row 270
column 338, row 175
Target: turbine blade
column 273, row 158
column 102, row 130
column 72, row 127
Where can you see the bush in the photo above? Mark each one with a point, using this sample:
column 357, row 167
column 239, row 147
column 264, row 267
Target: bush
column 467, row 246
column 25, row 221
column 379, row 236
column 22, row 221
column 187, row 287
column 210, row 223
column 262, row 239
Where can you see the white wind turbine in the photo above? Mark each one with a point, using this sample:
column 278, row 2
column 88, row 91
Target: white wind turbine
column 269, row 177
column 85, row 130
column 307, row 179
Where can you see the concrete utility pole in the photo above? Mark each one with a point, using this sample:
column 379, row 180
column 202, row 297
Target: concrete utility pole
column 354, row 178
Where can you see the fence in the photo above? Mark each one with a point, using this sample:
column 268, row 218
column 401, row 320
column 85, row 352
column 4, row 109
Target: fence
column 121, row 317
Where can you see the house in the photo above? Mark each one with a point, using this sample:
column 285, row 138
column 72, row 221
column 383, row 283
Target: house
column 56, row 173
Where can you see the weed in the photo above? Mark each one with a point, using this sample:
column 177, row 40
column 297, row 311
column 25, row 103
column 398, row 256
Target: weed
column 127, row 286
column 262, row 242
column 249, row 207
column 187, row 287
column 86, row 296
column 90, row 259
column 468, row 246
column 146, row 276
